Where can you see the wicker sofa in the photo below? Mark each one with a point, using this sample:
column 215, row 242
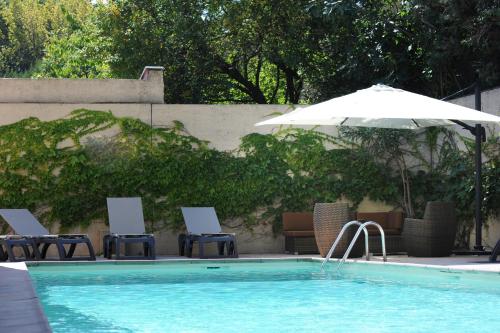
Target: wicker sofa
column 299, row 233
column 392, row 223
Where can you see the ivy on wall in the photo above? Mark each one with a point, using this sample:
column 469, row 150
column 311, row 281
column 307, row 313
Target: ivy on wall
column 64, row 169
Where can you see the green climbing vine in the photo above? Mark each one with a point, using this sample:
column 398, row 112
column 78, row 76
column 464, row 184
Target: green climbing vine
column 64, row 169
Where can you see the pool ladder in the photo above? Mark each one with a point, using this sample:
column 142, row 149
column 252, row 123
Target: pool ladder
column 361, row 227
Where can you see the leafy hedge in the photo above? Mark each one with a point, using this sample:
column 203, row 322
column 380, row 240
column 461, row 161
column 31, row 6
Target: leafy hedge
column 64, row 169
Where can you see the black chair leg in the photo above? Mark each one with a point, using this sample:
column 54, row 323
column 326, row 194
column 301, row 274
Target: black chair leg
column 109, row 247
column 90, row 248
column 36, row 252
column 189, row 247
column 152, row 249
column 61, row 251
column 495, row 253
column 234, row 249
column 26, row 251
column 220, row 246
column 45, row 247
column 3, row 254
column 117, row 247
column 181, row 241
column 10, row 252
column 71, row 251
column 149, row 249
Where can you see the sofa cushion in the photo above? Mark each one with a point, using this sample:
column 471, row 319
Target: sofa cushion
column 298, row 222
column 391, row 222
column 379, row 217
column 395, row 220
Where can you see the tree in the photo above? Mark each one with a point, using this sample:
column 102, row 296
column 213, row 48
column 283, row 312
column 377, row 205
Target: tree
column 214, row 50
column 425, row 46
column 361, row 43
column 257, row 39
column 462, row 39
column 27, row 26
column 82, row 54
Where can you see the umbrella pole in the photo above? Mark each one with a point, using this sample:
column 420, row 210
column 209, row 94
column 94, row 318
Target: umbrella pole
column 480, row 135
column 479, row 193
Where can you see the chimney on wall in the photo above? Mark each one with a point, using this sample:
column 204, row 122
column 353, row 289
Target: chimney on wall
column 150, row 73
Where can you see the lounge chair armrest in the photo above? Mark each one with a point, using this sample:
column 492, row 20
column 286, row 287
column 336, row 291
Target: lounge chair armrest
column 132, row 235
column 220, row 234
column 14, row 237
column 71, row 235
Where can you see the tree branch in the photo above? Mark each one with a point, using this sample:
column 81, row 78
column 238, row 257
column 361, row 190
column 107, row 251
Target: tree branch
column 247, row 86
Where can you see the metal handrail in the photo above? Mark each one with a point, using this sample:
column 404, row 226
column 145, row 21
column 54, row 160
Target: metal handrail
column 337, row 240
column 358, row 232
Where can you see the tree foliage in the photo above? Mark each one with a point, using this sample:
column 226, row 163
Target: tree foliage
column 214, row 50
column 257, row 51
column 462, row 39
column 27, row 25
column 82, row 54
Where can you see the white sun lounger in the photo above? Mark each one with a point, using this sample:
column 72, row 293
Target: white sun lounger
column 31, row 232
column 203, row 226
column 126, row 226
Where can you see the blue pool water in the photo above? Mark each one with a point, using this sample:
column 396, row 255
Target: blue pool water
column 276, row 296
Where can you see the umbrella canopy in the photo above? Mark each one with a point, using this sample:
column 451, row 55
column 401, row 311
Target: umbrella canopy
column 385, row 107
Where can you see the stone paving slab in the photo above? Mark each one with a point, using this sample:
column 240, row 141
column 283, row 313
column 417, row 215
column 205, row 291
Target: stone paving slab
column 466, row 263
column 21, row 310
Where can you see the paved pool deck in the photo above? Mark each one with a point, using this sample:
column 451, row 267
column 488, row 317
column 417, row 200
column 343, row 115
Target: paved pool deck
column 22, row 311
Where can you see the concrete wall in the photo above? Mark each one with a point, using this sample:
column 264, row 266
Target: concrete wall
column 490, row 101
column 148, row 89
column 13, row 112
column 222, row 125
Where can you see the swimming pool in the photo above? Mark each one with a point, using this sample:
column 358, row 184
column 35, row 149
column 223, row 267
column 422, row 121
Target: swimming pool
column 264, row 296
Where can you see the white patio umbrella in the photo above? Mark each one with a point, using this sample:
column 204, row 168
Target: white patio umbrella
column 387, row 107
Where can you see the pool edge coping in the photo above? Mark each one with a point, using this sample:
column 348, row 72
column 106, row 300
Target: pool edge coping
column 472, row 270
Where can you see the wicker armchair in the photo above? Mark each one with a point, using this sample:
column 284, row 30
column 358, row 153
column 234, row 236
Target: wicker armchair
column 329, row 218
column 434, row 235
